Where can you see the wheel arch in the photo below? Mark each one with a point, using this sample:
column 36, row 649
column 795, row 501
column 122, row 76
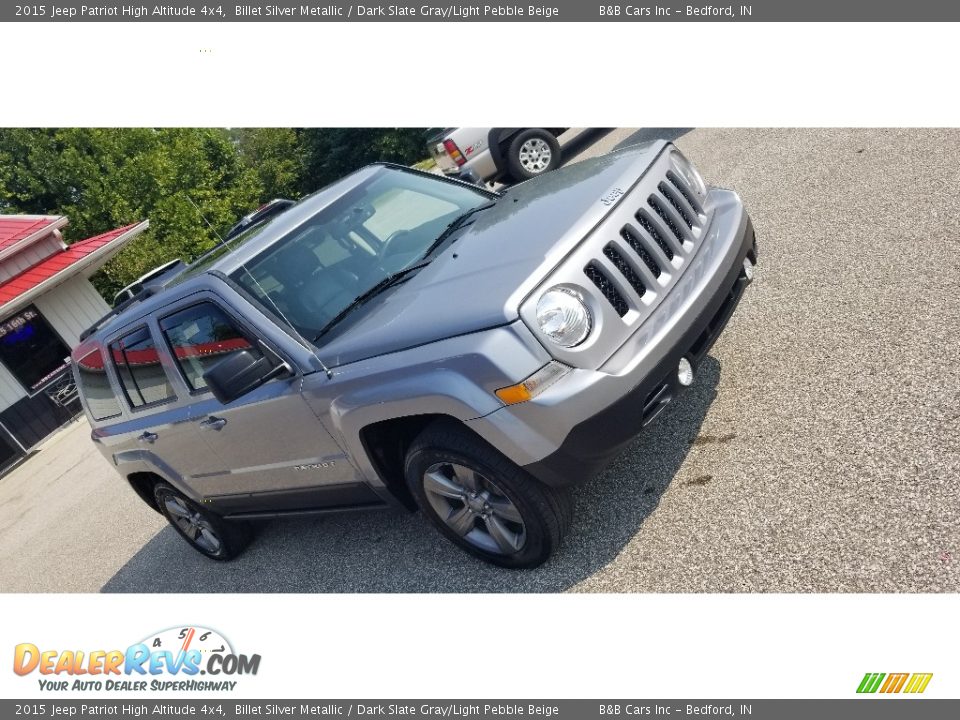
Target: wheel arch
column 386, row 443
column 143, row 483
column 497, row 140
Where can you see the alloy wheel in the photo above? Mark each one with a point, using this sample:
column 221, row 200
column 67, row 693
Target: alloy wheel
column 196, row 528
column 535, row 155
column 473, row 507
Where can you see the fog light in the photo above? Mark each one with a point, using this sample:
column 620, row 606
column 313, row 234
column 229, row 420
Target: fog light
column 685, row 372
column 748, row 269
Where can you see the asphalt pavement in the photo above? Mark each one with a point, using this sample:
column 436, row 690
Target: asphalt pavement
column 816, row 452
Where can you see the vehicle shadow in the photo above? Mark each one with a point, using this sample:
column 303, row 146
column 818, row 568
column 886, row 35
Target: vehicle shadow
column 392, row 552
column 581, row 141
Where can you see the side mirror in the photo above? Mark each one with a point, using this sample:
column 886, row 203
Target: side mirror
column 239, row 374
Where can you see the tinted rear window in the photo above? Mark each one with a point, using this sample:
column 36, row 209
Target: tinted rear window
column 95, row 386
column 143, row 379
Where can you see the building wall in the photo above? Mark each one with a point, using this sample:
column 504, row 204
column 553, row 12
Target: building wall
column 40, row 250
column 70, row 309
column 10, row 389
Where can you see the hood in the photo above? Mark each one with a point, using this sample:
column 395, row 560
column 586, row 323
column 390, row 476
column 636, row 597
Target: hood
column 480, row 279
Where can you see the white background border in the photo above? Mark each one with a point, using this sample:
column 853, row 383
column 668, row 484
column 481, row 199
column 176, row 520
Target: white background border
column 655, row 75
column 416, row 74
column 536, row 646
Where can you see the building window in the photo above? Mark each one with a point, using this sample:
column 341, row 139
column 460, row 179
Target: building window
column 138, row 365
column 31, row 350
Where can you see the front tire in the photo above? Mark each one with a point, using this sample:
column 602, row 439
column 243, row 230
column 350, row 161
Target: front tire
column 206, row 532
column 531, row 153
column 482, row 501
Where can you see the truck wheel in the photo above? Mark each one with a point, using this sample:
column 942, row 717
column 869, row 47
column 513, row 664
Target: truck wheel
column 205, row 531
column 531, row 153
column 482, row 501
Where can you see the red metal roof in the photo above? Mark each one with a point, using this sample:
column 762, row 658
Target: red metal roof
column 14, row 229
column 60, row 263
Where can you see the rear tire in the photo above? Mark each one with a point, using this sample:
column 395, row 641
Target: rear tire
column 205, row 531
column 531, row 153
column 482, row 501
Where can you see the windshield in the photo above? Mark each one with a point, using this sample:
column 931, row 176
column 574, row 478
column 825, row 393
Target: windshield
column 380, row 228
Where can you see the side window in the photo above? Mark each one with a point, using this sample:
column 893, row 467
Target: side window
column 95, row 386
column 138, row 365
column 200, row 337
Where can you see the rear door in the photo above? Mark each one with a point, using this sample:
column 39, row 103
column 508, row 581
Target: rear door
column 149, row 421
column 267, row 450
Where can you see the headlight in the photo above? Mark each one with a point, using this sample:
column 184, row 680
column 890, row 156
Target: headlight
column 688, row 172
column 563, row 317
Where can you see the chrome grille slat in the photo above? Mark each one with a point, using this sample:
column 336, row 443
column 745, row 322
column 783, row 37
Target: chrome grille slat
column 652, row 281
column 684, row 189
column 598, row 276
column 623, row 266
column 679, row 204
column 670, row 217
column 659, row 233
column 635, row 240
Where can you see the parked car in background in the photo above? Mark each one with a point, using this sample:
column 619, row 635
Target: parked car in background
column 400, row 338
column 136, row 287
column 261, row 214
column 511, row 154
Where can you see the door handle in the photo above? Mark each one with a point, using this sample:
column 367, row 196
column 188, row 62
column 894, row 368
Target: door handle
column 148, row 437
column 213, row 423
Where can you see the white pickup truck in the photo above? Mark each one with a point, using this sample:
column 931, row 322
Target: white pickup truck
column 490, row 154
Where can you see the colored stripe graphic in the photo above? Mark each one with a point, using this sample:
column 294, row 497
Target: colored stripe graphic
column 895, row 683
column 870, row 682
column 918, row 682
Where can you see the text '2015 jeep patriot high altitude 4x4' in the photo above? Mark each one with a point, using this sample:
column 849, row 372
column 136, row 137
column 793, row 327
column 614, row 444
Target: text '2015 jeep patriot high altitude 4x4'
column 401, row 338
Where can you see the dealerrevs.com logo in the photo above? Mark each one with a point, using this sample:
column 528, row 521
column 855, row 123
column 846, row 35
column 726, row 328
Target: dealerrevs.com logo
column 172, row 659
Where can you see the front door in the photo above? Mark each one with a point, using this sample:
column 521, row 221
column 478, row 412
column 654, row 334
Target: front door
column 268, row 450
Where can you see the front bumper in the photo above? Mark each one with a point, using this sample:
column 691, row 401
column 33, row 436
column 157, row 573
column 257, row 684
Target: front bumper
column 570, row 434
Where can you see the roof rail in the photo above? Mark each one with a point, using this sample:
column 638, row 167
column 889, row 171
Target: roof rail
column 139, row 297
column 152, row 288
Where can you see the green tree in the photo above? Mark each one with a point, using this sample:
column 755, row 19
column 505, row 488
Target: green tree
column 331, row 153
column 276, row 156
column 103, row 178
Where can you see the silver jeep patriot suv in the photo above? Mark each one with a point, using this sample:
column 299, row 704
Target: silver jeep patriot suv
column 404, row 339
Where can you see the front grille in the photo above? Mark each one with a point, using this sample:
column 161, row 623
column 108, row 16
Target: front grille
column 684, row 190
column 658, row 208
column 675, row 202
column 621, row 264
column 599, row 278
column 653, row 245
column 633, row 239
column 647, row 224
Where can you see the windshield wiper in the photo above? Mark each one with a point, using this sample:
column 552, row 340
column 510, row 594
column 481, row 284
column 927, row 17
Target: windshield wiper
column 457, row 223
column 392, row 280
column 387, row 282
